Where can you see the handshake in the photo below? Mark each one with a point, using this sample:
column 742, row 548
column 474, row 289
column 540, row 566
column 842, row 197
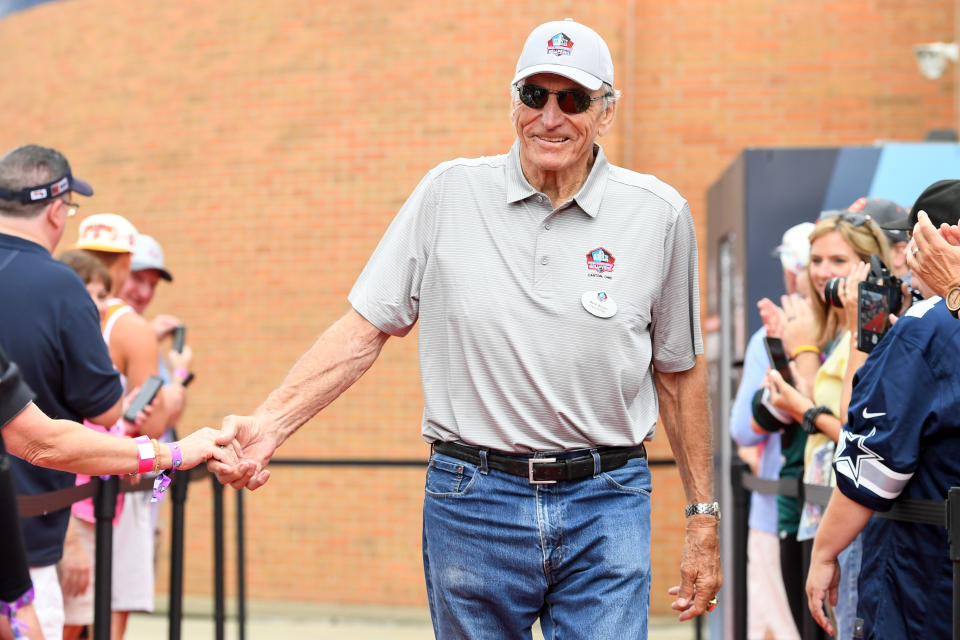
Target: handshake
column 238, row 453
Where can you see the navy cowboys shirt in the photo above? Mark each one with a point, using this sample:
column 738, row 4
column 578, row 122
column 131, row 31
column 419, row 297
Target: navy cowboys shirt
column 903, row 439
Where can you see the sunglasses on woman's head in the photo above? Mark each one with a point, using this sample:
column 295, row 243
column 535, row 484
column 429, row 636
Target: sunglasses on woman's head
column 856, row 219
column 569, row 100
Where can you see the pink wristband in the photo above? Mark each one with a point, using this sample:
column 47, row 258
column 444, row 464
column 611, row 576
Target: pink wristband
column 145, row 451
column 181, row 374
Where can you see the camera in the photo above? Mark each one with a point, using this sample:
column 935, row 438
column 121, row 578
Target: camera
column 877, row 296
column 831, row 291
column 880, row 277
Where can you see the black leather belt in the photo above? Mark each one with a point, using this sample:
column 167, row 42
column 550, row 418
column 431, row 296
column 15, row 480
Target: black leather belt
column 544, row 470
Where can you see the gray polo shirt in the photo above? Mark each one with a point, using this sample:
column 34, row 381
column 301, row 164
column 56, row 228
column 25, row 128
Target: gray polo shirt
column 515, row 353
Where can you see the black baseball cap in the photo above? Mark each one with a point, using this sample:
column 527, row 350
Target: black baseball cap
column 882, row 211
column 941, row 202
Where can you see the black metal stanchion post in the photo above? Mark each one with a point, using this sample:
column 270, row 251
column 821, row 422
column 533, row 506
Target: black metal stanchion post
column 105, row 508
column 219, row 613
column 241, row 572
column 741, row 529
column 953, row 531
column 179, row 496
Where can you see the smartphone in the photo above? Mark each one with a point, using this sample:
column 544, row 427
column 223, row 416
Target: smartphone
column 873, row 315
column 179, row 338
column 144, row 397
column 778, row 358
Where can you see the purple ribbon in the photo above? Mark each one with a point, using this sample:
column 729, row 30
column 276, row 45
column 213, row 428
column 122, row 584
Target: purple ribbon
column 163, row 480
column 10, row 609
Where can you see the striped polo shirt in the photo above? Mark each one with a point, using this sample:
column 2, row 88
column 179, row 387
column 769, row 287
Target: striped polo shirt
column 539, row 328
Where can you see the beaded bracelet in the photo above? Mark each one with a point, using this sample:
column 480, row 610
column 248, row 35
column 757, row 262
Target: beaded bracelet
column 156, row 456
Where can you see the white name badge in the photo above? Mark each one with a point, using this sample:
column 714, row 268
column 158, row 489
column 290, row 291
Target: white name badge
column 599, row 303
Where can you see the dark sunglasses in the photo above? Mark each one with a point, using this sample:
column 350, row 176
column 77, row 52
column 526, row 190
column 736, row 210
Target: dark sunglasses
column 569, row 100
column 856, row 219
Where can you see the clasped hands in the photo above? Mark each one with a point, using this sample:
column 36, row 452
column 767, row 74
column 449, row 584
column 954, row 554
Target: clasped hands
column 253, row 444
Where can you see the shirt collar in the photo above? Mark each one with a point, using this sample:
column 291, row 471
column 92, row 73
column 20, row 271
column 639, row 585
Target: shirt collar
column 589, row 196
column 16, row 242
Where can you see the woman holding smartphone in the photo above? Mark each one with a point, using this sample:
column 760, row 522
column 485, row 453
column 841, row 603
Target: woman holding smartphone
column 817, row 336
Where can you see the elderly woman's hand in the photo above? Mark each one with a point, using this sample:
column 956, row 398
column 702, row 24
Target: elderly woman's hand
column 201, row 446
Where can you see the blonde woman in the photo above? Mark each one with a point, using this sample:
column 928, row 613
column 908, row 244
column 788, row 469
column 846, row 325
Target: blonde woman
column 817, row 334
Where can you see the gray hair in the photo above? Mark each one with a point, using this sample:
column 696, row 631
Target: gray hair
column 29, row 166
column 610, row 95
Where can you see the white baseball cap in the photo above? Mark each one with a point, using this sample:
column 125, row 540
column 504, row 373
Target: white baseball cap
column 569, row 49
column 107, row 232
column 148, row 254
column 794, row 248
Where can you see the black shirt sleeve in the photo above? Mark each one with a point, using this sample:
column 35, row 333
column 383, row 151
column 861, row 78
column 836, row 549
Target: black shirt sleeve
column 15, row 395
column 15, row 577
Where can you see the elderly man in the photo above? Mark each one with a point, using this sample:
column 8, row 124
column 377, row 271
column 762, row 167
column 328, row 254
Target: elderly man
column 559, row 311
column 932, row 257
column 51, row 328
column 900, row 440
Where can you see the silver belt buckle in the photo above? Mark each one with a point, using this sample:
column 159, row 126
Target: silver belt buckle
column 533, row 461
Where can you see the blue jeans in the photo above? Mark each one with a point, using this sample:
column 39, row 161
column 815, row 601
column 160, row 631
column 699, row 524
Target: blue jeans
column 846, row 609
column 499, row 552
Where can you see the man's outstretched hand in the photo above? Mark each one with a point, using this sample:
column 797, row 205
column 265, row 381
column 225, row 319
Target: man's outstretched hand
column 257, row 446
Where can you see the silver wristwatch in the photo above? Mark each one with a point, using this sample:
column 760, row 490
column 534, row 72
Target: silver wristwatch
column 703, row 508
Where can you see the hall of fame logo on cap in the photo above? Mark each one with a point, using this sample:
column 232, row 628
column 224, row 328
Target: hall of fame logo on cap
column 560, row 45
column 599, row 303
column 600, row 263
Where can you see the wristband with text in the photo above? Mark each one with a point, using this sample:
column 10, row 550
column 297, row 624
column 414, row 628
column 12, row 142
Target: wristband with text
column 164, row 478
column 10, row 609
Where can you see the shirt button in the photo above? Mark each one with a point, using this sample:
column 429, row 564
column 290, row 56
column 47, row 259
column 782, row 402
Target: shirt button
column 546, row 225
column 545, row 260
column 540, row 199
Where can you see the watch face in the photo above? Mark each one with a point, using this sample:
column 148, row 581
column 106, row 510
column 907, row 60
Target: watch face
column 953, row 299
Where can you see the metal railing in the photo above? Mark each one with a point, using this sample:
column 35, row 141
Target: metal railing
column 943, row 513
column 105, row 492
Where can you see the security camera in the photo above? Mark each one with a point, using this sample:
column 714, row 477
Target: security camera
column 932, row 57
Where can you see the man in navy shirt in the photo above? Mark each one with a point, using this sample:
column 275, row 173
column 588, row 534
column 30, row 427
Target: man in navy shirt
column 50, row 327
column 901, row 439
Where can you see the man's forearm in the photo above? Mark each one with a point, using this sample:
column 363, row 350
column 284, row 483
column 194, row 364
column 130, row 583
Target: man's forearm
column 685, row 414
column 338, row 358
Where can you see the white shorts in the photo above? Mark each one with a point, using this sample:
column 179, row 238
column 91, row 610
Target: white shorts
column 133, row 555
column 49, row 600
column 132, row 574
column 78, row 610
column 768, row 611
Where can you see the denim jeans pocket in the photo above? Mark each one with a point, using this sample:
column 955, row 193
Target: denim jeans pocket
column 448, row 477
column 633, row 477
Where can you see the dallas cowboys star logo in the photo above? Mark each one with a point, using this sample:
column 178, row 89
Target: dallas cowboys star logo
column 852, row 452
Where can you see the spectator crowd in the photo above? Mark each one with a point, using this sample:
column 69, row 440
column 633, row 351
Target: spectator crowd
column 851, row 383
column 76, row 346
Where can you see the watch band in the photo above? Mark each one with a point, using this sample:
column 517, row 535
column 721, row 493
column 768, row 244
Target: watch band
column 809, row 423
column 703, row 508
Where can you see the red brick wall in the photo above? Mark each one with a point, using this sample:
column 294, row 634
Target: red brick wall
column 267, row 146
